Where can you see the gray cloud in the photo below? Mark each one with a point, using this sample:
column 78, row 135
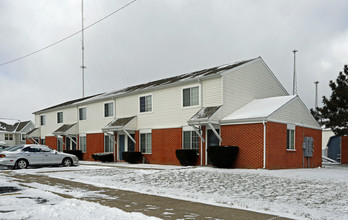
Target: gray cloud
column 154, row 39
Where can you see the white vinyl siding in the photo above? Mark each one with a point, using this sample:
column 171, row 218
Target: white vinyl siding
column 253, row 81
column 146, row 143
column 295, row 112
column 108, row 109
column 83, row 144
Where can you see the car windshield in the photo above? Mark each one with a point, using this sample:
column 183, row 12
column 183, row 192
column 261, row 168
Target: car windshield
column 14, row 148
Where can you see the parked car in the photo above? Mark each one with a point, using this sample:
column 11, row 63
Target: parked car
column 22, row 156
column 3, row 147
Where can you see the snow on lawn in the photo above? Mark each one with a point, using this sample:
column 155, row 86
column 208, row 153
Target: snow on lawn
column 319, row 193
column 28, row 203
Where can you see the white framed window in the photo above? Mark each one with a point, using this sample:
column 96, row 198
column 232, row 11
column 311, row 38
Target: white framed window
column 146, row 142
column 83, row 143
column 145, row 103
column 190, row 140
column 59, row 117
column 191, row 96
column 108, row 109
column 290, row 137
column 8, row 137
column 108, row 144
column 83, row 113
column 60, row 144
column 42, row 119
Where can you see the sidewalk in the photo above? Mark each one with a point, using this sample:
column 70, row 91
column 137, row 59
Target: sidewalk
column 161, row 207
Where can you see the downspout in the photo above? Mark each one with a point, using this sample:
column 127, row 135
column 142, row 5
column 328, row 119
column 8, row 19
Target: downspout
column 201, row 146
column 264, row 144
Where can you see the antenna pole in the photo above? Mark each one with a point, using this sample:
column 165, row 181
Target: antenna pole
column 294, row 83
column 83, row 53
column 316, row 94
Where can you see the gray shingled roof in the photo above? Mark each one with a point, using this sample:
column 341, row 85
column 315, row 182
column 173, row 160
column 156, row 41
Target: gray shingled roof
column 17, row 127
column 214, row 71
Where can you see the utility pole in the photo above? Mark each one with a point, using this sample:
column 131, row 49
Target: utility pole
column 316, row 94
column 294, row 83
column 83, row 53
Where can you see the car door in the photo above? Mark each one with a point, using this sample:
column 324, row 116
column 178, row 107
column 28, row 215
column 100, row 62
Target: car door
column 33, row 155
column 50, row 156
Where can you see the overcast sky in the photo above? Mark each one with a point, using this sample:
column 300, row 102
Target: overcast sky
column 154, row 39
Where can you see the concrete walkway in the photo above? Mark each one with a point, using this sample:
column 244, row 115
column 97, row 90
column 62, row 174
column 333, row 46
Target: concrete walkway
column 161, row 207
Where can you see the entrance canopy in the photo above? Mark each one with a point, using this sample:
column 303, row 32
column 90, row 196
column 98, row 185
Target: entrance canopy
column 121, row 124
column 66, row 129
column 206, row 116
column 33, row 134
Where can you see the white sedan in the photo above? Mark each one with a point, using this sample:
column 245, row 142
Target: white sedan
column 22, row 156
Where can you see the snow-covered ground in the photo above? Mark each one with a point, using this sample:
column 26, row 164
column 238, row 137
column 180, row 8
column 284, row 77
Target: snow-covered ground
column 319, row 193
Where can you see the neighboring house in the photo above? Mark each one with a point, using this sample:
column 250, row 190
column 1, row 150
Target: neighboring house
column 240, row 104
column 12, row 132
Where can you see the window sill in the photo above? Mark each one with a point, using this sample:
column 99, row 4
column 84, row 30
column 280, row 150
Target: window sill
column 291, row 150
column 147, row 153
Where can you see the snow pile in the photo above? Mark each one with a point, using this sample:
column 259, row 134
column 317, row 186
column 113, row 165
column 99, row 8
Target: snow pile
column 300, row 193
column 31, row 203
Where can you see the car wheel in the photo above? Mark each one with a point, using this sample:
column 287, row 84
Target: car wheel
column 67, row 162
column 22, row 164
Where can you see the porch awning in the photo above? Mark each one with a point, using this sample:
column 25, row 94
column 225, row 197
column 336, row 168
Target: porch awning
column 66, row 129
column 34, row 133
column 205, row 115
column 127, row 123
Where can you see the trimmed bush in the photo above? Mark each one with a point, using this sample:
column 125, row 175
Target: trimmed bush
column 222, row 156
column 77, row 153
column 132, row 157
column 186, row 157
column 103, row 157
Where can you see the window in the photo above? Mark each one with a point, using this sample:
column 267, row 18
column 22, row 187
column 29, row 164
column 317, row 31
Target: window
column 190, row 96
column 108, row 144
column 290, row 139
column 42, row 141
column 190, row 140
column 82, row 113
column 59, row 117
column 60, row 144
column 83, row 144
column 109, row 109
column 42, row 119
column 145, row 103
column 146, row 143
column 23, row 137
column 8, row 137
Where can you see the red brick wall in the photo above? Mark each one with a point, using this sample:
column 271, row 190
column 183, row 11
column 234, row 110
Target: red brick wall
column 95, row 144
column 249, row 139
column 344, row 150
column 164, row 144
column 51, row 141
column 277, row 155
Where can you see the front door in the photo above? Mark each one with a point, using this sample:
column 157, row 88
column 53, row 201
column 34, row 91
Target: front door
column 121, row 145
column 212, row 140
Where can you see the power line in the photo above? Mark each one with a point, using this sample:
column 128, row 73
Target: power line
column 71, row 35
